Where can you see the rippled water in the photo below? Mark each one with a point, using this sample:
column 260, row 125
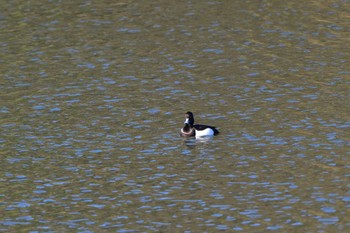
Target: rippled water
column 93, row 96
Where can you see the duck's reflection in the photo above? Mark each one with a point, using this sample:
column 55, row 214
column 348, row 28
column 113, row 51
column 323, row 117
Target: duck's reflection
column 194, row 141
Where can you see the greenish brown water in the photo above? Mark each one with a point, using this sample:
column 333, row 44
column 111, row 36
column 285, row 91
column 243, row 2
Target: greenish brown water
column 93, row 96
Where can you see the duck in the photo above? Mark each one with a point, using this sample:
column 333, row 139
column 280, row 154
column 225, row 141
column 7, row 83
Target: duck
column 192, row 130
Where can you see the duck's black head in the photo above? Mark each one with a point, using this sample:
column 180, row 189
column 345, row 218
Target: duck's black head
column 189, row 119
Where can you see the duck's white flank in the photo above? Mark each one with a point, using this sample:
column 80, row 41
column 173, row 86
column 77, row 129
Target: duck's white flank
column 205, row 132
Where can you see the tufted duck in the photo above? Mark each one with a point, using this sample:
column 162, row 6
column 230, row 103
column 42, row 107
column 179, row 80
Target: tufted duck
column 190, row 129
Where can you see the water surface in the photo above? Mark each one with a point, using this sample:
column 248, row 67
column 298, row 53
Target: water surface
column 93, row 96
